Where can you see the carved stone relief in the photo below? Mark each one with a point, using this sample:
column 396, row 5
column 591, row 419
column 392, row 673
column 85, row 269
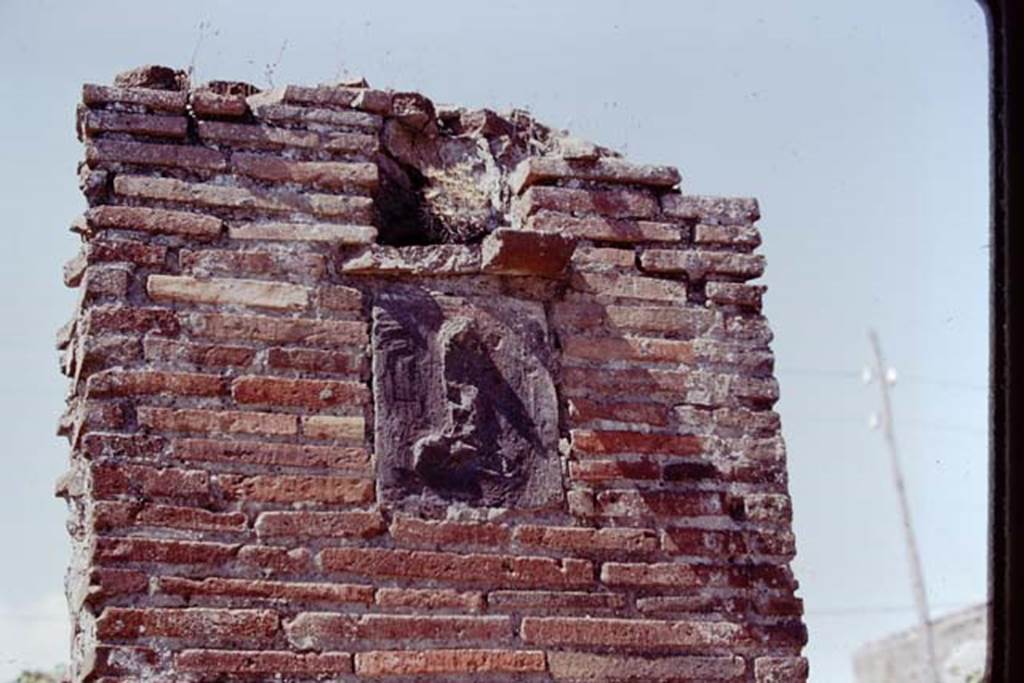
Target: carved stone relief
column 465, row 404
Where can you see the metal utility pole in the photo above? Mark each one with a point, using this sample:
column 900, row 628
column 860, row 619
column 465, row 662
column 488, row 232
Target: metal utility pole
column 916, row 572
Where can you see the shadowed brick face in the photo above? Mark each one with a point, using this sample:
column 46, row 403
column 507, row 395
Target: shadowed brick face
column 365, row 389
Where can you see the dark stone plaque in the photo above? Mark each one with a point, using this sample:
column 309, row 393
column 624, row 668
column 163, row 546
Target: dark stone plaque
column 465, row 405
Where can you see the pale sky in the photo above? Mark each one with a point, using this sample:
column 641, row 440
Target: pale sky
column 861, row 127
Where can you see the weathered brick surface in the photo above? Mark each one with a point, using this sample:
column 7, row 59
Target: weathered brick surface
column 471, row 568
column 205, row 626
column 580, row 666
column 639, row 634
column 454, row 662
column 263, row 662
column 222, row 291
column 325, row 630
column 274, row 284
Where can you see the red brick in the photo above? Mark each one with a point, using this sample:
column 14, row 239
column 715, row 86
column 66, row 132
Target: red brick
column 768, row 507
column 610, row 203
column 602, row 259
column 98, row 352
column 331, row 175
column 772, row 542
column 743, row 326
column 325, row 333
column 99, row 445
column 286, row 114
column 213, row 355
column 583, row 410
column 538, row 170
column 303, row 393
column 603, row 442
column 679, row 322
column 375, row 664
column 324, row 630
column 606, row 286
column 158, row 100
column 584, row 666
column 700, row 603
column 259, row 137
column 136, row 124
column 449, row 567
column 282, row 266
column 742, row 236
column 780, row 669
column 116, row 383
column 587, row 540
column 144, row 154
column 547, row 601
column 660, row 574
column 304, row 524
column 628, row 348
column 785, row 606
column 217, row 421
column 191, row 519
column 598, row 471
column 690, row 541
column 357, row 210
column 711, row 210
column 185, row 518
column 265, row 662
column 105, row 281
column 421, row 532
column 101, row 319
column 762, row 391
column 417, row 260
column 109, row 480
column 520, row 252
column 116, row 550
column 639, row 634
column 198, row 625
column 126, row 251
column 303, row 489
column 274, row 296
column 327, row 234
column 789, row 635
column 206, row 103
column 312, row 360
column 735, row 294
column 94, row 416
column 690, row 471
column 106, row 583
column 274, row 561
column 272, row 454
column 340, row 299
column 333, row 428
column 633, row 503
column 352, row 144
column 274, row 591
column 268, row 137
column 697, row 265
column 376, row 101
column 429, row 599
column 603, row 229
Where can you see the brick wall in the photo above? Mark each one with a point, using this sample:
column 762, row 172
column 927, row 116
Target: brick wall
column 364, row 387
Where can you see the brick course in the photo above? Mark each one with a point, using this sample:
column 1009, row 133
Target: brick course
column 225, row 479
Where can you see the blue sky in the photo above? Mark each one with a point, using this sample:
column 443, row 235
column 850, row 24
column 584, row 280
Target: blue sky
column 861, row 127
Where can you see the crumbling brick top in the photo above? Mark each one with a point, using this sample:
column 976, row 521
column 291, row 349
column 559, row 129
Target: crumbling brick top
column 363, row 387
